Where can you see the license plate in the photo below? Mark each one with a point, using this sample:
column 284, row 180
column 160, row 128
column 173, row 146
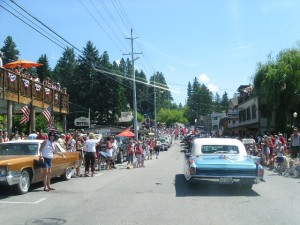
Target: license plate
column 225, row 180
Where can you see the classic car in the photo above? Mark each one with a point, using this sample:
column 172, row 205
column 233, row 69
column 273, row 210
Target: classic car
column 20, row 167
column 223, row 160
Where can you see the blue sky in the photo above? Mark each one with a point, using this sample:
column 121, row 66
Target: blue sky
column 218, row 41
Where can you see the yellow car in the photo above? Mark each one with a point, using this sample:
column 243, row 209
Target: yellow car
column 20, row 167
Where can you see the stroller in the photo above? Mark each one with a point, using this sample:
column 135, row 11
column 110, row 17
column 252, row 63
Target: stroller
column 102, row 160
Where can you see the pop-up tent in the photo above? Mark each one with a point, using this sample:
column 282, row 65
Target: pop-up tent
column 126, row 133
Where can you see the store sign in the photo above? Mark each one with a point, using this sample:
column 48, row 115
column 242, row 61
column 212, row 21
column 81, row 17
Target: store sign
column 233, row 113
column 82, row 122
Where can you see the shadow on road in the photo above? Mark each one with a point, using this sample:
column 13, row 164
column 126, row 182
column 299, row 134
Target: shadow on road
column 207, row 188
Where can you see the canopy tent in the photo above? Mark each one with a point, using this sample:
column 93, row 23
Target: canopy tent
column 126, row 133
column 22, row 63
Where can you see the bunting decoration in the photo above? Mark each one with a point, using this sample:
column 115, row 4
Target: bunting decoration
column 25, row 82
column 47, row 91
column 38, row 87
column 12, row 77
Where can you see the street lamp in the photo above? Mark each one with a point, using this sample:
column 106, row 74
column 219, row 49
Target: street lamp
column 295, row 114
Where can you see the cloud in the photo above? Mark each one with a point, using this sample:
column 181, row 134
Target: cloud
column 213, row 88
column 171, row 68
column 203, row 78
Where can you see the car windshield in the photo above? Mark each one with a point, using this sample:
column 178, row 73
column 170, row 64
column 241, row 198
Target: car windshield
column 18, row 149
column 223, row 149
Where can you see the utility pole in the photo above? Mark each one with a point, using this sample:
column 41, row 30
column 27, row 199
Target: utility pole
column 155, row 119
column 134, row 88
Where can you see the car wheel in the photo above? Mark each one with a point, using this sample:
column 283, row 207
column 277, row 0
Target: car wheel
column 24, row 183
column 121, row 157
column 68, row 174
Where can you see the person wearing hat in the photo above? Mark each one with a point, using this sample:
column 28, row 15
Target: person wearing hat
column 62, row 141
column 46, row 151
column 295, row 143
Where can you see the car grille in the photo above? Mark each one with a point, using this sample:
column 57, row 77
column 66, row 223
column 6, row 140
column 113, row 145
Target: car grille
column 226, row 172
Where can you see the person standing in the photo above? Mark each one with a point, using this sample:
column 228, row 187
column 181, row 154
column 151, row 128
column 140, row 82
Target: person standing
column 32, row 136
column 151, row 145
column 130, row 153
column 41, row 135
column 62, row 141
column 90, row 154
column 157, row 148
column 109, row 152
column 295, row 143
column 79, row 148
column 46, row 152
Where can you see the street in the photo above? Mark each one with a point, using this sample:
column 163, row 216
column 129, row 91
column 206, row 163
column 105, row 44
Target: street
column 156, row 194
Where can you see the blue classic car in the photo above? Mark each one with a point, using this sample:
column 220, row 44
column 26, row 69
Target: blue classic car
column 223, row 160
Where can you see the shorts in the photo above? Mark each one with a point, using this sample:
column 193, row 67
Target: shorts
column 130, row 158
column 47, row 163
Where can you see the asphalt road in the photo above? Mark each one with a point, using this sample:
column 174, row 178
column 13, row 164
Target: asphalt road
column 156, row 194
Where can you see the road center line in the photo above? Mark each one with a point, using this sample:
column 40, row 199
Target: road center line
column 36, row 202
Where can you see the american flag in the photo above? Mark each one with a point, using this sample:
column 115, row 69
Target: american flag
column 49, row 115
column 26, row 113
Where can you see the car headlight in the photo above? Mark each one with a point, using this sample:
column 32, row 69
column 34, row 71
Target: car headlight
column 3, row 172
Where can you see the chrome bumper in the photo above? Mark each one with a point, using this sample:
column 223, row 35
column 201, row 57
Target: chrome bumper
column 11, row 179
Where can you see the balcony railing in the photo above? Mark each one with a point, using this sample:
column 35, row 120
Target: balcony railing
column 21, row 89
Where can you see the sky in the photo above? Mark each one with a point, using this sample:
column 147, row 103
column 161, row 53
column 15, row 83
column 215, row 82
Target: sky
column 220, row 42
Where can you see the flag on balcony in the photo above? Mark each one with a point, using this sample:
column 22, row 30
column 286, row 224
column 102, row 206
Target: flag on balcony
column 49, row 115
column 26, row 113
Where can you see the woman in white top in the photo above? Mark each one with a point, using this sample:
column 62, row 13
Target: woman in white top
column 109, row 151
column 90, row 154
column 46, row 151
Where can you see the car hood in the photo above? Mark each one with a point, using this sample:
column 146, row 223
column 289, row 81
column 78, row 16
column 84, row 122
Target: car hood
column 10, row 159
column 224, row 160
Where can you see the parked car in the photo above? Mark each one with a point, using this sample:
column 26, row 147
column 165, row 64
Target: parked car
column 20, row 167
column 223, row 160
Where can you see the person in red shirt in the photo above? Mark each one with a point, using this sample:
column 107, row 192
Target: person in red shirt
column 41, row 135
column 282, row 140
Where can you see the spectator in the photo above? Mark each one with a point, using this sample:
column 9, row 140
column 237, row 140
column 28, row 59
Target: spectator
column 157, row 148
column 62, row 141
column 5, row 137
column 41, row 135
column 79, row 148
column 46, row 151
column 295, row 143
column 90, row 154
column 32, row 136
column 139, row 154
column 1, row 136
column 109, row 151
column 130, row 153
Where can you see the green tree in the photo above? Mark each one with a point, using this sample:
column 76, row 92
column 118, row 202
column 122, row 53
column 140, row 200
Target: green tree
column 10, row 51
column 45, row 70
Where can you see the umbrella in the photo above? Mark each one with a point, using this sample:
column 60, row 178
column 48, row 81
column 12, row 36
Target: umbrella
column 126, row 133
column 22, row 64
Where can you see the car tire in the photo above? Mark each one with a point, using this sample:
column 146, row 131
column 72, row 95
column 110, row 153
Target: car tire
column 68, row 174
column 24, row 183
